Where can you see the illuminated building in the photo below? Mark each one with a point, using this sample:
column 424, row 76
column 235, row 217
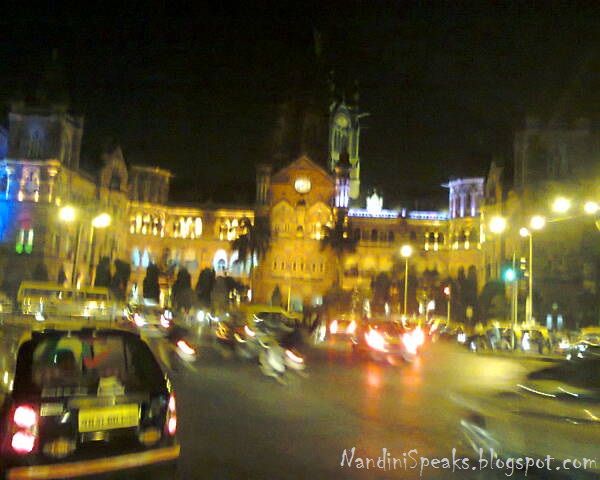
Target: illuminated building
column 301, row 197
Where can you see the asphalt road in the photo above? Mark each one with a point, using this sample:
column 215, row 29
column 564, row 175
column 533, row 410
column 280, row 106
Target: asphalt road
column 237, row 424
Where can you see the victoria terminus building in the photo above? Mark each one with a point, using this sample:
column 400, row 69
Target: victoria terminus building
column 326, row 230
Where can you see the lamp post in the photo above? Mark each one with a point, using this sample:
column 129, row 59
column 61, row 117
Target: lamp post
column 68, row 214
column 447, row 292
column 497, row 226
column 537, row 223
column 100, row 221
column 405, row 251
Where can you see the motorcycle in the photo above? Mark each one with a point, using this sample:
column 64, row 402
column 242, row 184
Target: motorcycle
column 275, row 357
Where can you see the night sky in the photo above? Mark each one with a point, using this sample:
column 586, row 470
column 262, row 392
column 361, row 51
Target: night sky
column 196, row 91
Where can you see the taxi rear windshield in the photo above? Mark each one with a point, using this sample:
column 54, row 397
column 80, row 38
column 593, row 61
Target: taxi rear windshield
column 66, row 365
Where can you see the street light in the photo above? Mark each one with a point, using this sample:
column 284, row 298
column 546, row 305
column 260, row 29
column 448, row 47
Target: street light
column 561, row 205
column 102, row 220
column 497, row 224
column 66, row 214
column 537, row 223
column 591, row 208
column 447, row 291
column 69, row 214
column 406, row 251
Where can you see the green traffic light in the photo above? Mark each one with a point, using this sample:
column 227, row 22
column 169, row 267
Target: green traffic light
column 509, row 275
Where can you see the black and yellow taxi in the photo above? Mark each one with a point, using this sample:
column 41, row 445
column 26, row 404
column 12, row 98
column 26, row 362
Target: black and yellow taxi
column 86, row 403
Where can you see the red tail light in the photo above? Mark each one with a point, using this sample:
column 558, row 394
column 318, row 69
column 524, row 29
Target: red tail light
column 171, row 423
column 24, row 429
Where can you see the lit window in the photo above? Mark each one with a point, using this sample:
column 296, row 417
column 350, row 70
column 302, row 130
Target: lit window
column 145, row 259
column 198, row 226
column 135, row 257
column 138, row 223
column 146, row 224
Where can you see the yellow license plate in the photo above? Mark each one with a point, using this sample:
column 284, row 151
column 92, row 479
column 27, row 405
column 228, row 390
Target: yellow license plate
column 108, row 418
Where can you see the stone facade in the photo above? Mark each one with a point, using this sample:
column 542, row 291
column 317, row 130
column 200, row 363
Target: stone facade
column 41, row 174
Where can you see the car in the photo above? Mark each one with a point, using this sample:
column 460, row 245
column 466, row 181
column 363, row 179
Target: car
column 341, row 327
column 86, row 402
column 386, row 340
column 152, row 320
column 553, row 411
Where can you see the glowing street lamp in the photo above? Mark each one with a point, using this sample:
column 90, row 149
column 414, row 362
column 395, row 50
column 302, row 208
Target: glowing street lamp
column 101, row 221
column 561, row 205
column 537, row 223
column 67, row 214
column 406, row 251
column 591, row 208
column 497, row 224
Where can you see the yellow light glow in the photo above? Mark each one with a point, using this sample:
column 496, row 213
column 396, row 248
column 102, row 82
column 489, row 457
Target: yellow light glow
column 497, row 224
column 591, row 208
column 66, row 214
column 561, row 205
column 406, row 251
column 101, row 221
column 537, row 222
column 524, row 232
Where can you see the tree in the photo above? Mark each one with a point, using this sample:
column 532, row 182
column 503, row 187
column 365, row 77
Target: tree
column 120, row 279
column 181, row 288
column 492, row 301
column 340, row 240
column 204, row 287
column 151, row 288
column 380, row 286
column 62, row 276
column 276, row 297
column 253, row 242
column 103, row 276
column 40, row 273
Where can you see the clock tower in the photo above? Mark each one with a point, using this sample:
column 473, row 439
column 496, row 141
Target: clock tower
column 344, row 132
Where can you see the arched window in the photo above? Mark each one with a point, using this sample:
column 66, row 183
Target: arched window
column 145, row 258
column 115, row 181
column 413, row 236
column 374, row 235
column 390, row 237
column 224, row 230
column 35, row 144
column 220, row 260
column 135, row 257
column 198, row 227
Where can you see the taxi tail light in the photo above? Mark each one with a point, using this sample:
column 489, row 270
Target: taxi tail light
column 351, row 328
column 24, row 429
column 375, row 340
column 333, row 327
column 171, row 421
column 410, row 343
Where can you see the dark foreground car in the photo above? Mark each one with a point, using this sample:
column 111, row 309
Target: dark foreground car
column 553, row 412
column 87, row 402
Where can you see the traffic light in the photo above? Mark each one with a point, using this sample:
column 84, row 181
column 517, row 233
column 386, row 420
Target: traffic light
column 508, row 273
column 523, row 266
